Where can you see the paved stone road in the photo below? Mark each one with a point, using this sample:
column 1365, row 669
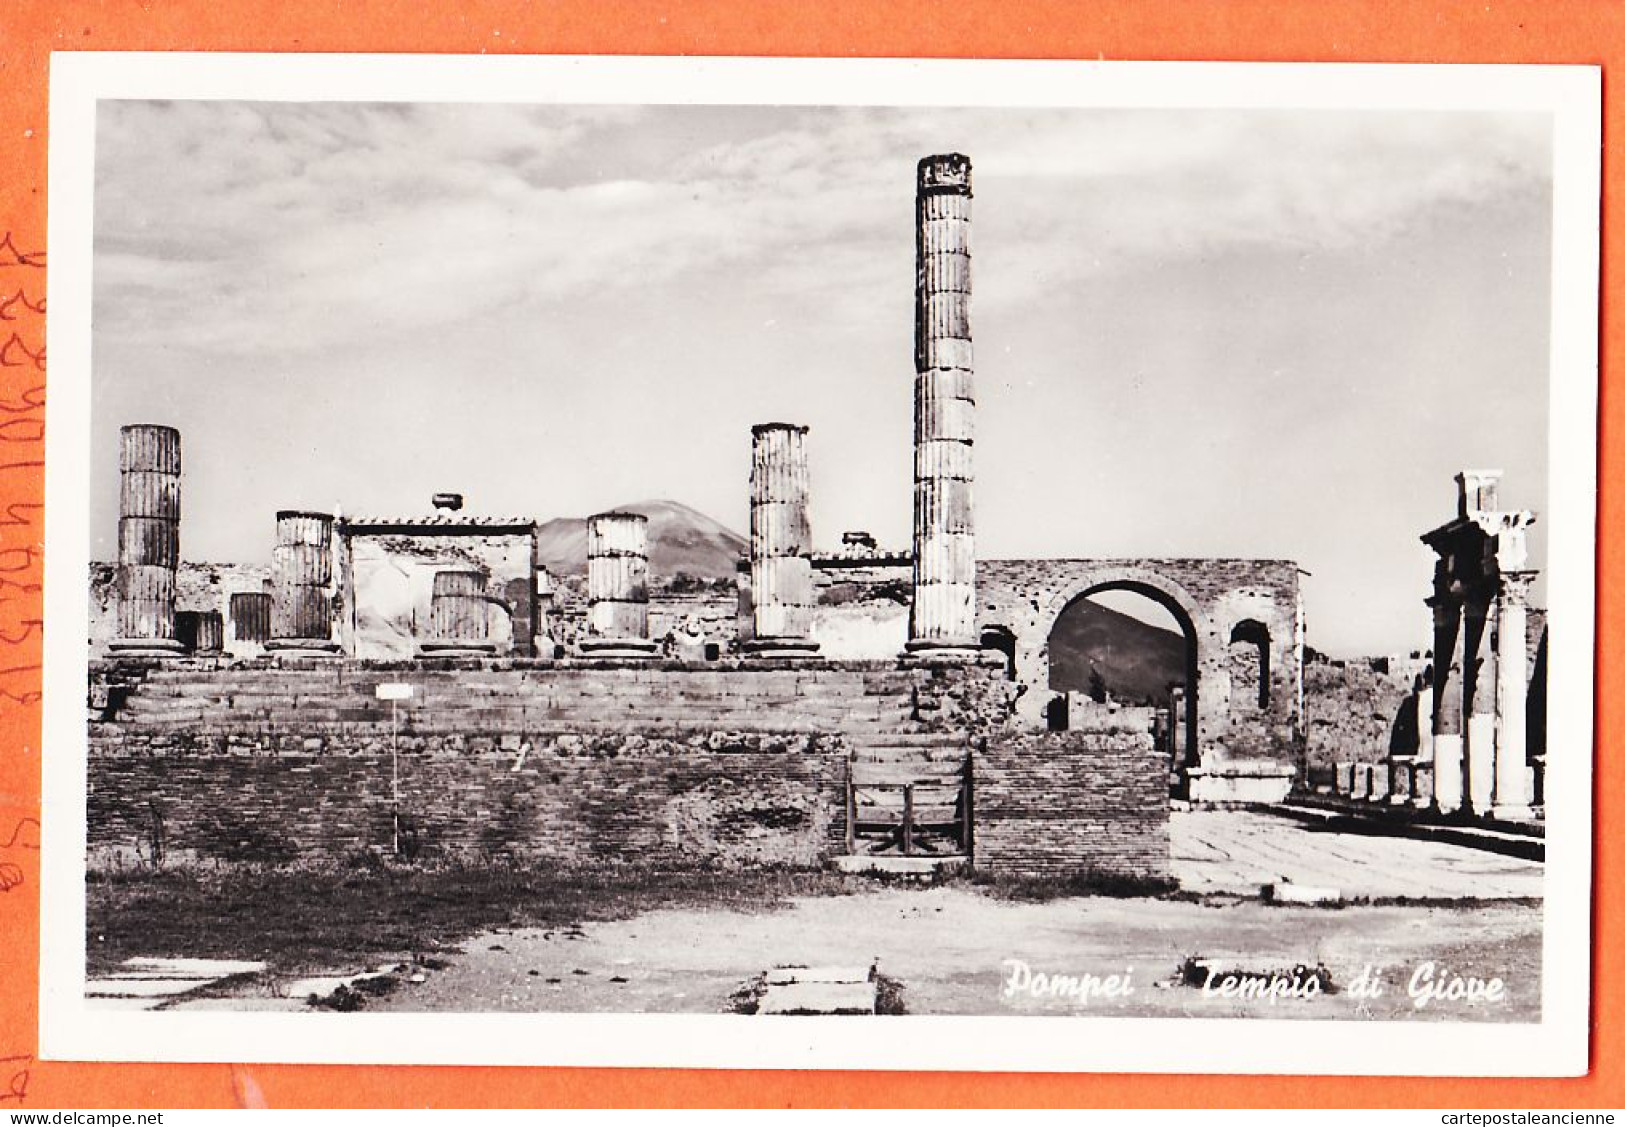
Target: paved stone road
column 1240, row 850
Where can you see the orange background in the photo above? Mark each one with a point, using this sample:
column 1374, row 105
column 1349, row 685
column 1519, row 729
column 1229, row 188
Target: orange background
column 1541, row 31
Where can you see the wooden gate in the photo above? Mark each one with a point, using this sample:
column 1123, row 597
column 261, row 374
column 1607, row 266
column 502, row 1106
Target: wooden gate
column 927, row 815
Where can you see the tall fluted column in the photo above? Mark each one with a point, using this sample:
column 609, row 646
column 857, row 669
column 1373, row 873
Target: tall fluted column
column 617, row 586
column 302, row 584
column 1449, row 784
column 1421, row 790
column 459, row 616
column 1478, row 699
column 148, row 540
column 780, row 572
column 1424, row 716
column 1512, row 795
column 943, row 619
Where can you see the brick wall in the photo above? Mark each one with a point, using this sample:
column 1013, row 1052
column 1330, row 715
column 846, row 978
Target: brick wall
column 746, row 800
column 1060, row 804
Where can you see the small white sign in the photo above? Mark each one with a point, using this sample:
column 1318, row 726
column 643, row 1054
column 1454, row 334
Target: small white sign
column 394, row 690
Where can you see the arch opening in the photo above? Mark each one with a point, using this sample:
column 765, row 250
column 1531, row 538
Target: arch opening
column 1129, row 643
column 1002, row 640
column 1249, row 660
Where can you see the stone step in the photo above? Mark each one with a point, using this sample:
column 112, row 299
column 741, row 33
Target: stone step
column 887, row 807
column 922, row 740
column 824, row 998
column 866, row 752
column 450, row 696
column 343, row 730
column 530, row 692
column 784, row 975
column 937, row 818
column 354, row 741
column 317, row 721
column 877, row 774
column 732, row 680
column 450, row 699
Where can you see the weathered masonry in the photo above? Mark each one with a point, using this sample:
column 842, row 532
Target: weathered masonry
column 148, row 539
column 1237, row 734
column 859, row 706
column 734, row 763
column 1480, row 596
column 391, row 568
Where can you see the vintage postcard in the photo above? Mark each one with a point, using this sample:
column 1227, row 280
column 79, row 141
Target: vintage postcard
column 820, row 564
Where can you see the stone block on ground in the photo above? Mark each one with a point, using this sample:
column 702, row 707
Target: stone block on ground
column 782, row 976
column 1285, row 892
column 97, row 1002
column 819, row 998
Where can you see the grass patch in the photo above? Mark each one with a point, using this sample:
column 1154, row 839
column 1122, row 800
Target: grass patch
column 747, row 999
column 348, row 999
column 889, row 996
column 299, row 919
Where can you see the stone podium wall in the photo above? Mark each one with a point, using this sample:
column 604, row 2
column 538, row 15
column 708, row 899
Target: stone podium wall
column 752, row 800
column 732, row 763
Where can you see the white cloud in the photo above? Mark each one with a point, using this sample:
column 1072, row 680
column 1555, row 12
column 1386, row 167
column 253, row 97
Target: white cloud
column 343, row 219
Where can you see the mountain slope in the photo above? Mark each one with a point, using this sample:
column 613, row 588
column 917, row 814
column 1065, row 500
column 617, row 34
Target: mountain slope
column 681, row 539
column 1136, row 660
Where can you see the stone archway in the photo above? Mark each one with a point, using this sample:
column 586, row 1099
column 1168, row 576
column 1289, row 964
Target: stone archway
column 1248, row 755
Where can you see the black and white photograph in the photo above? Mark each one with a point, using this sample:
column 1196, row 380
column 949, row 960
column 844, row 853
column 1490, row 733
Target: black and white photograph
column 804, row 563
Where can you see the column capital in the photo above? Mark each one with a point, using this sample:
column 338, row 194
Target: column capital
column 1515, row 586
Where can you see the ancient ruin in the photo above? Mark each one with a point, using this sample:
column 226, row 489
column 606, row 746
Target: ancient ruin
column 1475, row 738
column 148, row 539
column 863, row 705
column 942, row 616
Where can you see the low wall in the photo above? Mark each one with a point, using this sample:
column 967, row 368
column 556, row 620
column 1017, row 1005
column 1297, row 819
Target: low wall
column 1061, row 804
column 737, row 801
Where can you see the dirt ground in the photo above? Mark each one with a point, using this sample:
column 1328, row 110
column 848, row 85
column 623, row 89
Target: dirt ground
column 948, row 947
column 685, row 942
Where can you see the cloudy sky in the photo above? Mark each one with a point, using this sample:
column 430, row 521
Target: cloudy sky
column 1206, row 333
